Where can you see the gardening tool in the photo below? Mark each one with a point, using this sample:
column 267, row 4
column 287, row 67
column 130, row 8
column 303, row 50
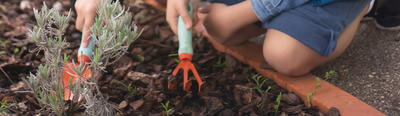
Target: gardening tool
column 84, row 55
column 185, row 52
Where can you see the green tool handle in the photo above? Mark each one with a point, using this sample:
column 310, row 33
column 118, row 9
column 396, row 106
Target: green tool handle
column 88, row 50
column 184, row 35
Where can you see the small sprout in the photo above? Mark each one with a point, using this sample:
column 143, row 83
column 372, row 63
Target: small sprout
column 278, row 100
column 3, row 106
column 251, row 91
column 176, row 54
column 141, row 58
column 177, row 61
column 3, row 8
column 131, row 92
column 16, row 50
column 219, row 64
column 257, row 80
column 166, row 108
column 142, row 16
column 327, row 76
column 2, row 52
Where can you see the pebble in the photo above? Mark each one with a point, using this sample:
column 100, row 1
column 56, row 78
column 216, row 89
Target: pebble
column 25, row 4
column 58, row 6
column 382, row 98
column 371, row 76
column 373, row 73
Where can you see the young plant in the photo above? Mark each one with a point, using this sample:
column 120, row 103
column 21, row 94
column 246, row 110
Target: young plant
column 219, row 64
column 259, row 85
column 131, row 92
column 166, row 108
column 278, row 100
column 262, row 105
column 3, row 106
column 16, row 50
column 112, row 34
column 177, row 61
column 171, row 55
column 327, row 76
column 141, row 58
column 4, row 44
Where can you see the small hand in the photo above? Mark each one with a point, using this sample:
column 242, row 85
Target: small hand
column 179, row 7
column 86, row 12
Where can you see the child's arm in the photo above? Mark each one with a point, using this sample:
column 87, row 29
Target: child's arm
column 179, row 7
column 86, row 12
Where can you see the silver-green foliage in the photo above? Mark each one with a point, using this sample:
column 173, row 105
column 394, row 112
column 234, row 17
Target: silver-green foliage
column 112, row 34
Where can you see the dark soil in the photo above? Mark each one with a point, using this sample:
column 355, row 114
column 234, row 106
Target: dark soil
column 226, row 92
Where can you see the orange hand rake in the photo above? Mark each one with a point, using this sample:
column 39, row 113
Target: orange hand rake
column 185, row 55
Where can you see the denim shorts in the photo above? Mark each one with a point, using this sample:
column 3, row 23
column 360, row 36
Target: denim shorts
column 316, row 26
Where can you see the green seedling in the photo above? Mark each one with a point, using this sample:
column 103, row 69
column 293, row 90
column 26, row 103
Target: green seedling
column 177, row 61
column 4, row 44
column 327, row 76
column 3, row 8
column 278, row 100
column 3, row 106
column 219, row 64
column 131, row 92
column 251, row 91
column 166, row 108
column 259, row 85
column 142, row 16
column 171, row 55
column 141, row 58
column 16, row 50
column 262, row 105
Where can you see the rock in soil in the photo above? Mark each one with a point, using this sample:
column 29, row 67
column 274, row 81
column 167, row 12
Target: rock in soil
column 291, row 99
column 333, row 112
column 144, row 78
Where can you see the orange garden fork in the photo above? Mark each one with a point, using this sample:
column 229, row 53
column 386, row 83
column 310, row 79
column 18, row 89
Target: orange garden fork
column 185, row 55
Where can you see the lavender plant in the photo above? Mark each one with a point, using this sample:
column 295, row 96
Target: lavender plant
column 111, row 33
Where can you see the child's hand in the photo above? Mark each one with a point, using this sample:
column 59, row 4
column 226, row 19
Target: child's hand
column 86, row 12
column 179, row 7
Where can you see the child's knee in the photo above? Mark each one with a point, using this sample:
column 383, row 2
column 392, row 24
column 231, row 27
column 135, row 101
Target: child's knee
column 284, row 64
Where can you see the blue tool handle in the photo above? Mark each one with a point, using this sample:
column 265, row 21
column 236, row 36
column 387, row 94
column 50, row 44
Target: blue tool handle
column 86, row 50
column 184, row 35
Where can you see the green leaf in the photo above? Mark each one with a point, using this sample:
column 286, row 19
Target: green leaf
column 141, row 58
column 2, row 52
column 176, row 54
column 318, row 80
column 16, row 50
column 177, row 61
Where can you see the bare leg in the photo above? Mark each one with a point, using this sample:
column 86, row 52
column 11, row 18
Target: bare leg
column 290, row 57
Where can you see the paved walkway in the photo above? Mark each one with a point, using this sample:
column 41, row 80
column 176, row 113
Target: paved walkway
column 369, row 68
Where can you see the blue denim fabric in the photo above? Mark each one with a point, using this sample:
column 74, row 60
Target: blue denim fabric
column 321, row 2
column 266, row 9
column 315, row 25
